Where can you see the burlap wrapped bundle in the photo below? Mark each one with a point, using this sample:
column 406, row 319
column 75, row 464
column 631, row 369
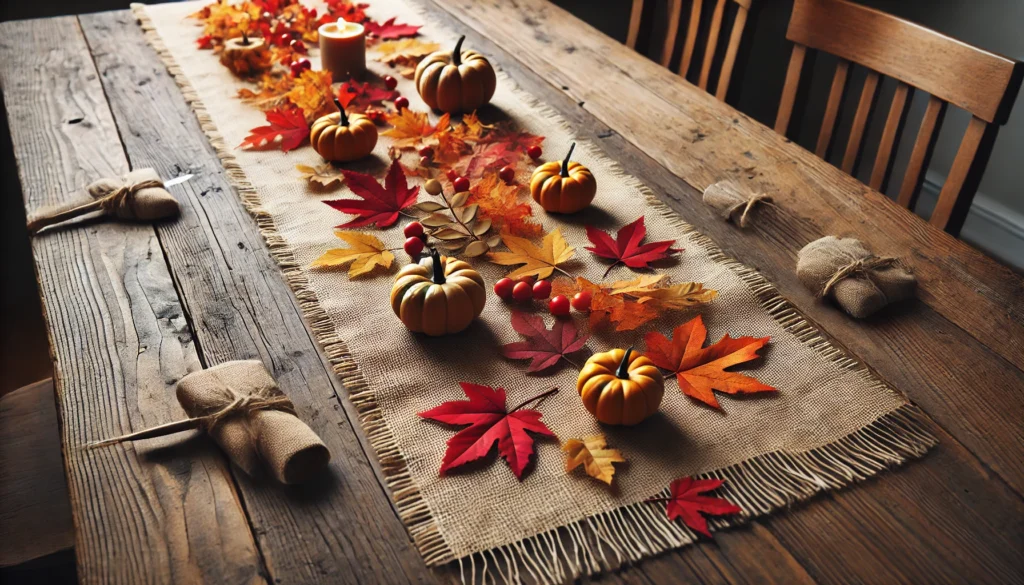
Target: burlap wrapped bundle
column 240, row 406
column 859, row 282
column 139, row 196
column 733, row 201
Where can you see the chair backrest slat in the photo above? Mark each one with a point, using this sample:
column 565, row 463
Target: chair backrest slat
column 919, row 59
column 691, row 37
column 712, row 43
column 675, row 11
column 796, row 64
column 635, row 14
column 921, row 155
column 735, row 38
column 860, row 120
column 835, row 98
column 890, row 137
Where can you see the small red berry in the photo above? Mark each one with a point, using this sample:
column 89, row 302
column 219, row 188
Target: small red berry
column 312, row 13
column 534, row 152
column 401, row 102
column 424, row 161
column 503, row 288
column 581, row 300
column 298, row 46
column 305, row 64
column 507, row 174
column 522, row 291
column 413, row 230
column 452, row 174
column 541, row 289
column 390, row 82
column 559, row 306
column 413, row 246
column 283, row 39
column 426, row 151
column 461, row 184
column 267, row 16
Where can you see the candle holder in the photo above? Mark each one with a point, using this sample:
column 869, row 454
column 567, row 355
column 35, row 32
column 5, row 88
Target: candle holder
column 343, row 50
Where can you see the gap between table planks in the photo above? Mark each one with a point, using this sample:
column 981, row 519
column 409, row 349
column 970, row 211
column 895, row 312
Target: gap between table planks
column 738, row 544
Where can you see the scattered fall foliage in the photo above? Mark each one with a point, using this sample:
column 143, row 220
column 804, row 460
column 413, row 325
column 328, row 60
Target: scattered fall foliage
column 625, row 248
column 377, row 204
column 543, row 347
column 286, row 129
column 629, row 304
column 686, row 503
column 536, row 261
column 364, row 254
column 592, row 453
column 324, row 175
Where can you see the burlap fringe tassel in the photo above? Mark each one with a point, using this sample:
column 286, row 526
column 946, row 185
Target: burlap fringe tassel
column 625, row 534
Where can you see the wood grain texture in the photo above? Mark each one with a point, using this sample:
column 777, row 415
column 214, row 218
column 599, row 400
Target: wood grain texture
column 340, row 528
column 758, row 553
column 165, row 511
column 704, row 141
column 976, row 80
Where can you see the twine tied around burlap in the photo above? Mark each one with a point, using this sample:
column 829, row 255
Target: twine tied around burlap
column 734, row 204
column 140, row 195
column 239, row 405
column 859, row 282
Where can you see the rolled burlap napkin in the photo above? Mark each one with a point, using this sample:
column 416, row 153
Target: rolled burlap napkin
column 733, row 201
column 859, row 282
column 240, row 406
column 139, row 196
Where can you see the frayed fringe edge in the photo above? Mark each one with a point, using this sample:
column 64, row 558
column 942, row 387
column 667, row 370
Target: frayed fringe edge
column 628, row 533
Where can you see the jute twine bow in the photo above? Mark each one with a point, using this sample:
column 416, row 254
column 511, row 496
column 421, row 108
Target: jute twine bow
column 139, row 195
column 863, row 267
column 239, row 405
column 729, row 198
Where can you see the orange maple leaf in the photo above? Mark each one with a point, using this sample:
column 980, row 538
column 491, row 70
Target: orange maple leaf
column 699, row 370
column 629, row 304
column 312, row 94
column 502, row 204
column 410, row 128
column 272, row 88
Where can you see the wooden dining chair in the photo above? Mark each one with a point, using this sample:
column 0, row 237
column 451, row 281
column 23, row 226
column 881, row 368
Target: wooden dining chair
column 675, row 13
column 951, row 72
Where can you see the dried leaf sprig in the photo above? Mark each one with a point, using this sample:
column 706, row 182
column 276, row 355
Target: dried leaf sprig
column 455, row 223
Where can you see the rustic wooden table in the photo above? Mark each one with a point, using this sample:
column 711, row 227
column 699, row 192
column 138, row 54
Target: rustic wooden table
column 131, row 308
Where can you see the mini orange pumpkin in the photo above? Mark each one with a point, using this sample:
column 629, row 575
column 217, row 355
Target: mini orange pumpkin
column 245, row 56
column 438, row 295
column 342, row 138
column 461, row 81
column 565, row 187
column 620, row 387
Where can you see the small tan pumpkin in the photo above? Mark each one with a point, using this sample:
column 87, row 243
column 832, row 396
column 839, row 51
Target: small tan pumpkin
column 620, row 387
column 438, row 296
column 460, row 81
column 246, row 57
column 341, row 137
column 565, row 187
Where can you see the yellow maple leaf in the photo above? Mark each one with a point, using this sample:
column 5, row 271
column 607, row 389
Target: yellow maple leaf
column 323, row 175
column 404, row 51
column 312, row 94
column 537, row 261
column 365, row 254
column 590, row 452
column 680, row 296
column 410, row 128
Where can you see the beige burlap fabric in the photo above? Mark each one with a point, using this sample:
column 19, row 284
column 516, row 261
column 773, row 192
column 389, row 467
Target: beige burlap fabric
column 860, row 282
column 831, row 422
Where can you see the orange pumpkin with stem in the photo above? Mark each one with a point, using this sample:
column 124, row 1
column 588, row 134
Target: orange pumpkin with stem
column 438, row 295
column 460, row 81
column 620, row 387
column 341, row 137
column 565, row 187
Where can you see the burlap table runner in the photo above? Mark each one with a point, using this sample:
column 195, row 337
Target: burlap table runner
column 831, row 422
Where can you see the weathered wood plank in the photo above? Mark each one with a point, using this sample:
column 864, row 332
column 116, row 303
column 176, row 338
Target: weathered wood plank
column 921, row 351
column 703, row 142
column 119, row 339
column 342, row 528
column 944, row 359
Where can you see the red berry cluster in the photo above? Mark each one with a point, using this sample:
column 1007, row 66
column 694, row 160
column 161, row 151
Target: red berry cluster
column 416, row 239
column 297, row 67
column 524, row 291
column 459, row 183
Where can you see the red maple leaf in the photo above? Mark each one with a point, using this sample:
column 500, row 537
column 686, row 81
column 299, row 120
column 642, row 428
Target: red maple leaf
column 488, row 156
column 287, row 129
column 685, row 502
column 625, row 248
column 347, row 10
column 699, row 370
column 389, row 30
column 379, row 204
column 205, row 42
column 545, row 347
column 357, row 96
column 490, row 422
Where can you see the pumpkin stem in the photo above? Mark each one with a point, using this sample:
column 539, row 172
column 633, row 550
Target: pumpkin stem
column 457, row 53
column 565, row 163
column 435, row 260
column 341, row 110
column 623, row 371
column 245, row 37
